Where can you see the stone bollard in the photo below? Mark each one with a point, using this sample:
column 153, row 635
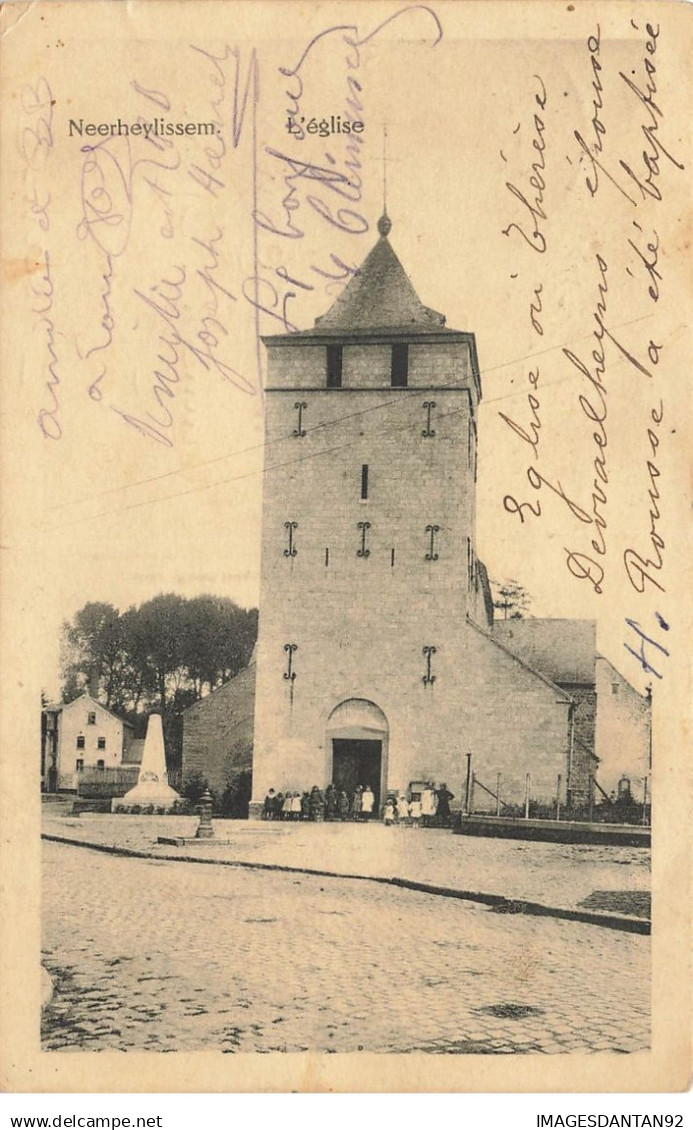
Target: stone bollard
column 205, row 831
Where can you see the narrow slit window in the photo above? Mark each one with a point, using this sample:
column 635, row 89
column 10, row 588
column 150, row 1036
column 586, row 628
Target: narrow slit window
column 327, row 557
column 364, row 481
column 392, row 558
column 399, row 373
column 334, row 366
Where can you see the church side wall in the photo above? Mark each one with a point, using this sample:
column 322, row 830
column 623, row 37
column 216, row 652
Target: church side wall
column 218, row 732
column 513, row 724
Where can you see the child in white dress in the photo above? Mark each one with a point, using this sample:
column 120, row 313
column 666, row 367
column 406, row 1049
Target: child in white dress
column 367, row 802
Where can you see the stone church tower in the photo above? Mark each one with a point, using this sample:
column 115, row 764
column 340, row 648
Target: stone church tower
column 369, row 571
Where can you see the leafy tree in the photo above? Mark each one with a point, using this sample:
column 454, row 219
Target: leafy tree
column 235, row 799
column 511, row 598
column 161, row 627
column 93, row 654
column 140, row 673
column 194, row 785
column 160, row 656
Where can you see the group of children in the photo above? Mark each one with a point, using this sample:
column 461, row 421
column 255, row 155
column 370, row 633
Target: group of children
column 425, row 808
column 429, row 806
column 333, row 804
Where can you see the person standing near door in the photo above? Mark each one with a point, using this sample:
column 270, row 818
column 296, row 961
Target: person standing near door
column 428, row 805
column 367, row 802
column 356, row 803
column 330, row 802
column 402, row 810
column 317, row 804
column 444, row 798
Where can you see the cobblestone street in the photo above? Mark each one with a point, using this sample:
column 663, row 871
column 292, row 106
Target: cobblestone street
column 164, row 956
column 552, row 874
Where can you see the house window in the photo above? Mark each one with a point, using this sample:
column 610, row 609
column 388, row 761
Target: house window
column 399, row 372
column 334, row 366
column 91, row 718
column 364, row 482
column 101, row 764
column 80, row 741
column 614, row 688
column 101, row 743
column 79, row 764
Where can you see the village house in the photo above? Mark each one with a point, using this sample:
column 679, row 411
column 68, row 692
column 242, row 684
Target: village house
column 623, row 765
column 79, row 737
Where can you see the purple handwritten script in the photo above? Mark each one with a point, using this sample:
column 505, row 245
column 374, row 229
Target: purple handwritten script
column 48, row 418
column 255, row 225
column 317, row 183
column 36, row 142
column 187, row 312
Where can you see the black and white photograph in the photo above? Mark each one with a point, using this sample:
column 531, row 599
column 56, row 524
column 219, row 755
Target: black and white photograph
column 346, row 497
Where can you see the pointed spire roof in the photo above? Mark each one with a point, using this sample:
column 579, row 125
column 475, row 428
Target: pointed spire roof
column 379, row 296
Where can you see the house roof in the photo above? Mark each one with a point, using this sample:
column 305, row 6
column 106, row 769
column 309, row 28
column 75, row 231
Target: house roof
column 563, row 650
column 512, row 655
column 100, row 706
column 378, row 299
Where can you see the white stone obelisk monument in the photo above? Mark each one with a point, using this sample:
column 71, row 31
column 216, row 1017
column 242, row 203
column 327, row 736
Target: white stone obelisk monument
column 152, row 786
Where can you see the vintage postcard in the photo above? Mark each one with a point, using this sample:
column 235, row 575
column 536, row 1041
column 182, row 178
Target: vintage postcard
column 345, row 504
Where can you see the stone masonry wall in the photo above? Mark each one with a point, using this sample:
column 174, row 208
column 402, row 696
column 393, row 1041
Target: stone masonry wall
column 584, row 721
column 218, row 732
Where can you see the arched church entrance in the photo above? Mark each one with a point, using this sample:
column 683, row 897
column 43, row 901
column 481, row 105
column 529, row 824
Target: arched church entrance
column 357, row 736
